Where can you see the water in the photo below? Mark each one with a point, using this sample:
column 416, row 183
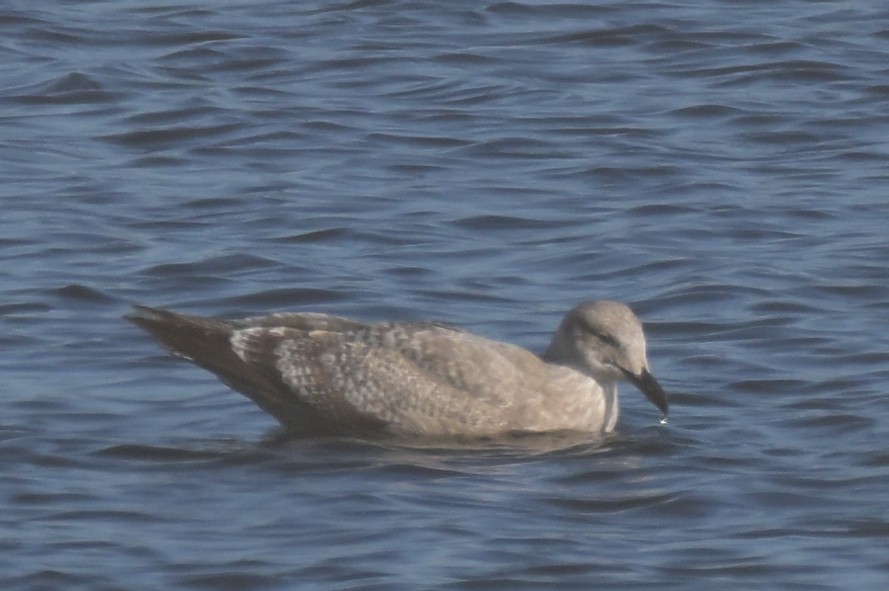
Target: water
column 722, row 167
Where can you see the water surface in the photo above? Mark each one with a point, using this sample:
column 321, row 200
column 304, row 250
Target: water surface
column 723, row 168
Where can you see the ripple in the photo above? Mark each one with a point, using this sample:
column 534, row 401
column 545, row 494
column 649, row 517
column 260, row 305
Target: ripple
column 489, row 165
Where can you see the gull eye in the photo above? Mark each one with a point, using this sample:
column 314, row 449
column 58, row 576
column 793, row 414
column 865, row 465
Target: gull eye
column 601, row 336
column 607, row 339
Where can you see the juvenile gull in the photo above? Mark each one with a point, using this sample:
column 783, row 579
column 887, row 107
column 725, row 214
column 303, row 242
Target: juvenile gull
column 317, row 373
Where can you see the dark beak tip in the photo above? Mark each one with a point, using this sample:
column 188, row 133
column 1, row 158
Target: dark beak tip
column 653, row 391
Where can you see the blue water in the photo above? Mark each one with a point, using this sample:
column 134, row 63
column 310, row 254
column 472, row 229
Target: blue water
column 722, row 167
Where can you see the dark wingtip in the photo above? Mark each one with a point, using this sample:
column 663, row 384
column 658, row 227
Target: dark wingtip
column 154, row 321
column 140, row 311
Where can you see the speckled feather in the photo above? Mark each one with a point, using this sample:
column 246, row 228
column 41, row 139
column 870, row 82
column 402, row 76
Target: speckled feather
column 318, row 373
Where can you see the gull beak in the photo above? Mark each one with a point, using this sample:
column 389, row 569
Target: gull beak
column 652, row 390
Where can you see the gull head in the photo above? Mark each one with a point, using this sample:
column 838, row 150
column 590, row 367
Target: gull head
column 604, row 340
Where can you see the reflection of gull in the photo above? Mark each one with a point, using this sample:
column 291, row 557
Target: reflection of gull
column 325, row 374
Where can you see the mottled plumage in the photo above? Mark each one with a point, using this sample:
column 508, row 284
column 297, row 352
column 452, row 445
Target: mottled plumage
column 317, row 373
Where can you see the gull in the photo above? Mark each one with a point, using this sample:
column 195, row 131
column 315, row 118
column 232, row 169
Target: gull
column 323, row 374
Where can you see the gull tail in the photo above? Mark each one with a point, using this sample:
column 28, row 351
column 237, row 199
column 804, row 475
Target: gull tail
column 206, row 342
column 203, row 341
